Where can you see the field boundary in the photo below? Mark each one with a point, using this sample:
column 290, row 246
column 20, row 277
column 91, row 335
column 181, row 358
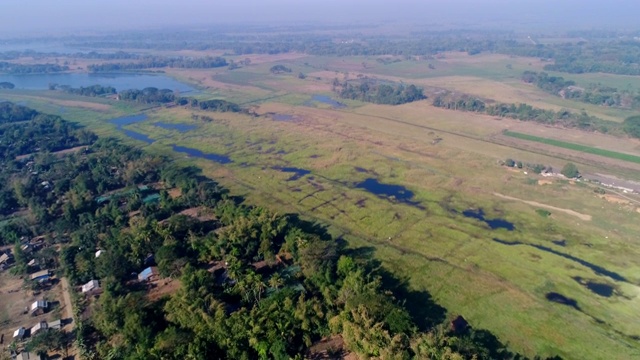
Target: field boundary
column 573, row 146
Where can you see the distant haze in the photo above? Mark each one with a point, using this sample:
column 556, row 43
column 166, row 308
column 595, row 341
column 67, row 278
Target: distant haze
column 64, row 16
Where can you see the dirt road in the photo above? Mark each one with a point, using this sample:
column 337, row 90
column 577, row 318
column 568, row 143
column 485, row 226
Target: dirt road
column 68, row 307
column 584, row 217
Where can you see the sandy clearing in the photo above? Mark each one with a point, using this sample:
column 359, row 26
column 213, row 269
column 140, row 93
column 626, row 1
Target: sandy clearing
column 533, row 203
column 545, row 182
column 615, row 199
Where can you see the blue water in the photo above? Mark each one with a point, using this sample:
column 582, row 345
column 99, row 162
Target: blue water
column 220, row 159
column 298, row 173
column 128, row 120
column 179, row 127
column 282, row 117
column 122, row 81
column 397, row 192
column 137, row 136
column 326, row 100
column 493, row 223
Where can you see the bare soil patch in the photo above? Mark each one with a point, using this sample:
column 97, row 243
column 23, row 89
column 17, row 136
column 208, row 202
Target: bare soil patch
column 162, row 287
column 615, row 199
column 544, row 182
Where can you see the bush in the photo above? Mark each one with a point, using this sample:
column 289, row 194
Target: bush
column 570, row 170
column 631, row 126
column 543, row 212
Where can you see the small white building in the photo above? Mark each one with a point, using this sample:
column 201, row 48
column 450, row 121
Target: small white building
column 39, row 307
column 99, row 252
column 19, row 333
column 42, row 325
column 90, row 286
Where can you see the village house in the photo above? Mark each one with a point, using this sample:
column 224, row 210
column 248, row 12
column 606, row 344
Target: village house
column 39, row 307
column 29, row 356
column 42, row 325
column 148, row 274
column 5, row 259
column 90, row 286
column 19, row 333
column 41, row 276
column 57, row 324
column 98, row 253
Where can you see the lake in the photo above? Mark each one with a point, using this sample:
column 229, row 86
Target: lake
column 121, row 81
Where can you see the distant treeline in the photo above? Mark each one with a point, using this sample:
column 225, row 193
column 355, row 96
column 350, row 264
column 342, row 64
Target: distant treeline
column 593, row 94
column 153, row 95
column 160, row 62
column 378, row 93
column 10, row 68
column 526, row 112
column 93, row 90
column 13, row 55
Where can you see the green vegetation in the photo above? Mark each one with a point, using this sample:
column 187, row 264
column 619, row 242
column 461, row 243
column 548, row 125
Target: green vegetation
column 577, row 147
column 94, row 90
column 252, row 283
column 524, row 112
column 632, row 126
column 594, row 94
column 378, row 93
column 570, row 170
column 151, row 62
column 11, row 68
column 279, row 69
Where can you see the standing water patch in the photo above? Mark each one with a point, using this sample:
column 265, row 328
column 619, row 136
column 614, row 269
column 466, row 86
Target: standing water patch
column 597, row 288
column 297, row 172
column 120, row 123
column 397, row 192
column 220, row 159
column 282, row 117
column 326, row 100
column 561, row 299
column 179, row 127
column 493, row 223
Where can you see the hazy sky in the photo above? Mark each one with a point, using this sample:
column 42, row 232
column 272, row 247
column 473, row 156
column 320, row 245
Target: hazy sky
column 61, row 15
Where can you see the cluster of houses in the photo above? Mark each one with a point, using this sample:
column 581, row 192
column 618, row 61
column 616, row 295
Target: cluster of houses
column 38, row 307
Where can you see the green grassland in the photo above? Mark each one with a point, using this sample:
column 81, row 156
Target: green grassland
column 572, row 146
column 435, row 248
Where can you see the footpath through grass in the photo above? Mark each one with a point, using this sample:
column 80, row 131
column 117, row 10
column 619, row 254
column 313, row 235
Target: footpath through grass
column 577, row 147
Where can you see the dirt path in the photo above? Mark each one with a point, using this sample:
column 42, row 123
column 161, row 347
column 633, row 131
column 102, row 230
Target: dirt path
column 68, row 307
column 533, row 203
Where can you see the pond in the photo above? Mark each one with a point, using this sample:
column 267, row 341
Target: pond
column 282, row 117
column 298, row 173
column 325, row 100
column 391, row 191
column 128, row 120
column 604, row 290
column 121, row 81
column 179, row 127
column 561, row 299
column 494, row 224
column 220, row 159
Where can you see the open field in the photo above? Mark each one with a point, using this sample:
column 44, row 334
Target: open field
column 496, row 278
column 572, row 146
